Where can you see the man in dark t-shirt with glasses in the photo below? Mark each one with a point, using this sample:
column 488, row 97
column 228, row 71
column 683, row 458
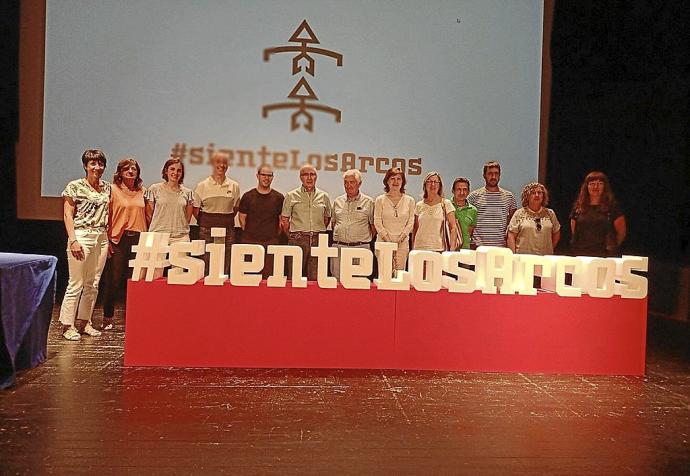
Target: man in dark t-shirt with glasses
column 259, row 215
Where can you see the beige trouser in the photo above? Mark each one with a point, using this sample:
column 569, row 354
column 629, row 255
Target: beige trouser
column 84, row 276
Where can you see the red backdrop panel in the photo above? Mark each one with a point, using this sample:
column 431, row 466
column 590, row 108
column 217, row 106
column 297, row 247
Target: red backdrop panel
column 544, row 333
column 228, row 326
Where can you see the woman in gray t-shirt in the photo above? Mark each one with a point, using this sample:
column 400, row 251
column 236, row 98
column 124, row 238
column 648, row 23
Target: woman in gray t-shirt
column 169, row 204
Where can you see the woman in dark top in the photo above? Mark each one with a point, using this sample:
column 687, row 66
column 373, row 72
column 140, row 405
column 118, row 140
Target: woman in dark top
column 596, row 221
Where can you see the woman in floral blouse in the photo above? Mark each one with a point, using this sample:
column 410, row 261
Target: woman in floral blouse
column 86, row 220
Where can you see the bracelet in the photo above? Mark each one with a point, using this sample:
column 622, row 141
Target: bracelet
column 72, row 242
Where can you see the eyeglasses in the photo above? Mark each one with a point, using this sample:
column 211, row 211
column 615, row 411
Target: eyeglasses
column 433, row 181
column 266, row 175
column 309, row 174
column 538, row 222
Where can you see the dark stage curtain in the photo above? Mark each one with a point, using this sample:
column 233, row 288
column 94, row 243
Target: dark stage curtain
column 20, row 236
column 9, row 116
column 620, row 104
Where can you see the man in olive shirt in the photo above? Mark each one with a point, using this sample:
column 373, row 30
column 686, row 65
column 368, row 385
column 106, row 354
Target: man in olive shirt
column 259, row 215
column 306, row 213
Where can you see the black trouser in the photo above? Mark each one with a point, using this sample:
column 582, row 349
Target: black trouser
column 119, row 271
column 205, row 234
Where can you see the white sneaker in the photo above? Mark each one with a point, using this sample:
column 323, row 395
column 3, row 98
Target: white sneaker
column 90, row 331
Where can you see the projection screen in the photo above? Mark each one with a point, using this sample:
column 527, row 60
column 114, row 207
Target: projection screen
column 436, row 85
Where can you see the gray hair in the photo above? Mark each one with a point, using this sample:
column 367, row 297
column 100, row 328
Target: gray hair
column 353, row 172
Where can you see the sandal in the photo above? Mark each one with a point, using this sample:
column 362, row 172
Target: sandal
column 107, row 324
column 90, row 331
column 71, row 334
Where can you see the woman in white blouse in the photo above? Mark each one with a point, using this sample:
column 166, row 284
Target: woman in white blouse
column 394, row 215
column 169, row 204
column 430, row 215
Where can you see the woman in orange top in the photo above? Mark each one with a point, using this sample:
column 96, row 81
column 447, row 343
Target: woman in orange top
column 127, row 218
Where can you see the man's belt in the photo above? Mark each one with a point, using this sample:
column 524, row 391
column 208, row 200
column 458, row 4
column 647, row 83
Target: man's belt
column 299, row 234
column 354, row 243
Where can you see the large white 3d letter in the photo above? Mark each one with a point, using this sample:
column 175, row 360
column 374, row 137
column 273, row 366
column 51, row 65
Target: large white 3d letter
column 495, row 269
column 278, row 279
column 631, row 285
column 186, row 270
column 216, row 258
column 355, row 276
column 598, row 278
column 322, row 252
column 151, row 253
column 560, row 265
column 242, row 273
column 525, row 268
column 426, row 270
column 466, row 278
column 384, row 255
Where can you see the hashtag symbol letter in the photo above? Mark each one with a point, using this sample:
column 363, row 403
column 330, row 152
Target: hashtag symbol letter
column 179, row 151
column 151, row 255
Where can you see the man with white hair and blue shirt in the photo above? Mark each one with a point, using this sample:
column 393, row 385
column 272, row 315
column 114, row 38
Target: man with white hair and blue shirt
column 352, row 218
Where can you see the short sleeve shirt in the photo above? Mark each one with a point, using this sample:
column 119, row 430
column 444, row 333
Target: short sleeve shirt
column 466, row 217
column 263, row 213
column 430, row 219
column 170, row 208
column 493, row 209
column 534, row 231
column 306, row 211
column 213, row 197
column 592, row 226
column 91, row 206
column 353, row 218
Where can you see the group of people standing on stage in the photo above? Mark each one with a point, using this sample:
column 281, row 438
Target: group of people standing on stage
column 104, row 219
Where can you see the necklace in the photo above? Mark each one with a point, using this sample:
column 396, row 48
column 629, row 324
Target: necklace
column 395, row 205
column 538, row 213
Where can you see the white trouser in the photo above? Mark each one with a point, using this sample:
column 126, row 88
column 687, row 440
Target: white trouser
column 84, row 275
column 400, row 256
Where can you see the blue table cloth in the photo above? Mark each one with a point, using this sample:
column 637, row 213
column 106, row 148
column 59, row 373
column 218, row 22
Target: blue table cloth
column 27, row 294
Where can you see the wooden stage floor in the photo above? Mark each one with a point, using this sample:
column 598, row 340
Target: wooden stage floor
column 82, row 412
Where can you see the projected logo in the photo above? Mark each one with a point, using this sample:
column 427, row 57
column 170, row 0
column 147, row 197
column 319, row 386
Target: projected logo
column 303, row 95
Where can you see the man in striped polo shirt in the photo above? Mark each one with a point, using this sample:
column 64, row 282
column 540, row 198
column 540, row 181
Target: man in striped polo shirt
column 495, row 206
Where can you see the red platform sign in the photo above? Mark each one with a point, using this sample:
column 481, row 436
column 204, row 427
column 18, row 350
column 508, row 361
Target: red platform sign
column 229, row 326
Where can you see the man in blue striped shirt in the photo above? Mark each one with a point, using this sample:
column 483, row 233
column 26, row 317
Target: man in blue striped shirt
column 495, row 206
